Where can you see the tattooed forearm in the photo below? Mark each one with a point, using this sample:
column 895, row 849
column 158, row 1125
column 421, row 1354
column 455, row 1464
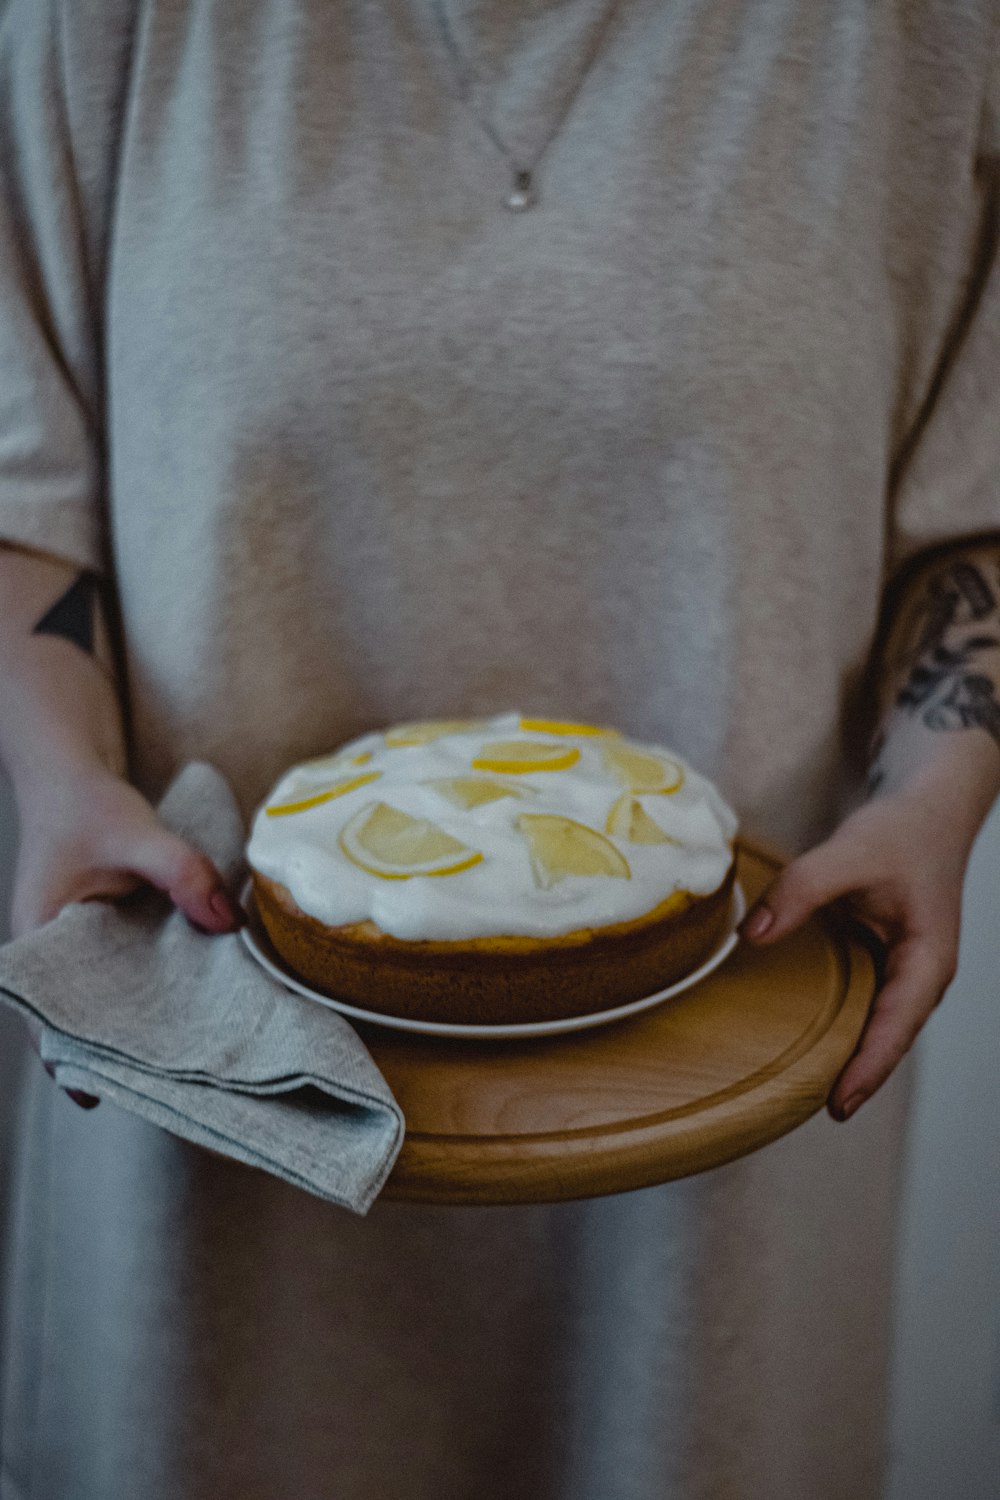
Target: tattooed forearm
column 77, row 616
column 944, row 660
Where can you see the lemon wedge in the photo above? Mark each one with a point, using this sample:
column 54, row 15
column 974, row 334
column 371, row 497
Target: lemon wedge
column 628, row 819
column 561, row 726
column 425, row 730
column 561, row 846
column 329, row 765
column 471, row 791
column 339, row 789
column 386, row 842
column 639, row 771
column 515, row 757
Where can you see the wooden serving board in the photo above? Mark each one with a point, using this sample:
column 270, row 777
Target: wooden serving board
column 736, row 1061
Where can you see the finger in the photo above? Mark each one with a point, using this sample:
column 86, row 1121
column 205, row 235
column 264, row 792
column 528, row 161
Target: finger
column 919, row 971
column 829, row 870
column 189, row 878
column 32, row 909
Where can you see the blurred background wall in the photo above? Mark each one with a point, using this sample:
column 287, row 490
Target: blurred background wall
column 946, row 1395
column 10, row 1031
column 945, row 1433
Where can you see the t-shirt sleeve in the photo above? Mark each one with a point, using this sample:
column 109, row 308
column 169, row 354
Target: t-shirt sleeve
column 51, row 196
column 948, row 489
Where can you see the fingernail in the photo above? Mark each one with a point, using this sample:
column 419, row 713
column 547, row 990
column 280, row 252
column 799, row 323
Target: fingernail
column 85, row 1101
column 853, row 1103
column 225, row 909
column 757, row 923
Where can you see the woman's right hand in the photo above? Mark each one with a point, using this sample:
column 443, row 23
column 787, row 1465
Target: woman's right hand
column 88, row 835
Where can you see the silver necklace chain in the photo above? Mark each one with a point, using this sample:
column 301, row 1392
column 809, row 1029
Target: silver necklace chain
column 523, row 193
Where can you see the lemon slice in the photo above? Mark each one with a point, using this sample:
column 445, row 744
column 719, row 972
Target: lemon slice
column 561, row 726
column 514, row 757
column 386, row 842
column 628, row 819
column 560, row 847
column 339, row 789
column 471, row 791
column 639, row 771
column 331, row 764
column 425, row 730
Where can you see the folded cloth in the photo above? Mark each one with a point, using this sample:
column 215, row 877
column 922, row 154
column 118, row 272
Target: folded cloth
column 188, row 1031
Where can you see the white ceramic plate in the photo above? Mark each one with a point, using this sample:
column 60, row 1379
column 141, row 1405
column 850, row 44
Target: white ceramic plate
column 259, row 944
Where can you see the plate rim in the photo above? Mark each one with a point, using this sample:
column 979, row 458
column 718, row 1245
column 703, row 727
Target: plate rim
column 524, row 1030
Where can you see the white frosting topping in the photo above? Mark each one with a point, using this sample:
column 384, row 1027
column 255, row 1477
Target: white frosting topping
column 499, row 893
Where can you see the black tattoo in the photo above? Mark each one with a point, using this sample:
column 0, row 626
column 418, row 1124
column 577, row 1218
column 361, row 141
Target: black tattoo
column 876, row 771
column 955, row 623
column 73, row 615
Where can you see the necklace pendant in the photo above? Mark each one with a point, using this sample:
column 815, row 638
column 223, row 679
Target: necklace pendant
column 522, row 195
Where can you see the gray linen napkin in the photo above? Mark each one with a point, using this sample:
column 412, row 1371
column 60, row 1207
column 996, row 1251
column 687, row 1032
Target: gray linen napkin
column 188, row 1031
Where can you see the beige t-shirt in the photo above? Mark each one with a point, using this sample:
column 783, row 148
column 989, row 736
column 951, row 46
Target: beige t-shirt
column 357, row 443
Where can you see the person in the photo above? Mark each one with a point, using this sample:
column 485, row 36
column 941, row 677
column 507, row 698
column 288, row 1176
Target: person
column 621, row 361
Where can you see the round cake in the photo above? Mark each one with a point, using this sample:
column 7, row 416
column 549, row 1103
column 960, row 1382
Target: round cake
column 493, row 871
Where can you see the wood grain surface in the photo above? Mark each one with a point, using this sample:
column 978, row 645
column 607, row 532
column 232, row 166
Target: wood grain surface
column 743, row 1057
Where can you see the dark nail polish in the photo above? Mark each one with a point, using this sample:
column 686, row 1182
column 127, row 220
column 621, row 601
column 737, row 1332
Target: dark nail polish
column 756, row 923
column 225, row 909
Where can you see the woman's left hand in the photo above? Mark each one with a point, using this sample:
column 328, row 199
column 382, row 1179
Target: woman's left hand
column 899, row 864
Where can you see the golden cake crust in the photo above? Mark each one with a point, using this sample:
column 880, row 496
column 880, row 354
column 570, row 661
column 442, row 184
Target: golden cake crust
column 504, row 980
